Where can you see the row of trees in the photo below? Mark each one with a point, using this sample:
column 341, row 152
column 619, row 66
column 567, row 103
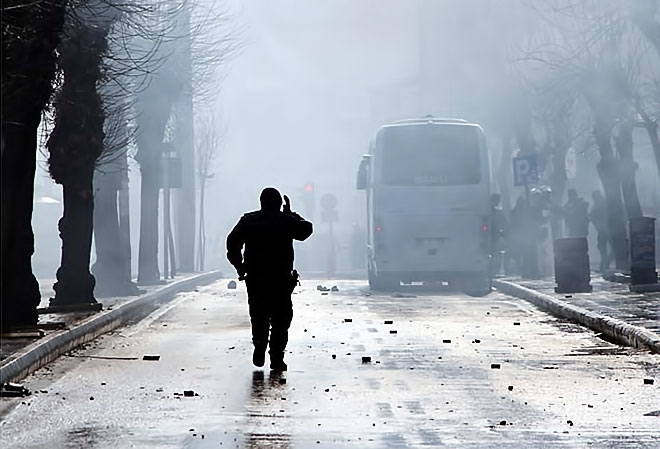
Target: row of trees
column 109, row 79
column 581, row 74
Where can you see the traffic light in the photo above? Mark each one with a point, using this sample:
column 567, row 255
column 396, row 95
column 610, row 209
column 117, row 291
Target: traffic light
column 309, row 200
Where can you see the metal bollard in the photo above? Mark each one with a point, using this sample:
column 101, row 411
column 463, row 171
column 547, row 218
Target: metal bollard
column 572, row 271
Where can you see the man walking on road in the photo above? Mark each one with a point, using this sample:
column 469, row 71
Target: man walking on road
column 266, row 264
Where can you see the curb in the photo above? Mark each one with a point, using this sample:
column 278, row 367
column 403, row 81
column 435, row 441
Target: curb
column 47, row 349
column 616, row 330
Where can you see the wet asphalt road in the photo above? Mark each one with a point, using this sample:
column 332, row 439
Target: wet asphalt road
column 433, row 380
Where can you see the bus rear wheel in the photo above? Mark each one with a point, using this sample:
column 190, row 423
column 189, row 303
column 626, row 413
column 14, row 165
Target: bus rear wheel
column 479, row 287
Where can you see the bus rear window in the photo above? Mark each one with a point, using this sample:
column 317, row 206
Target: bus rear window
column 430, row 155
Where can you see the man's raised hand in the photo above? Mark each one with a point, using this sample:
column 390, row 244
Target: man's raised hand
column 287, row 205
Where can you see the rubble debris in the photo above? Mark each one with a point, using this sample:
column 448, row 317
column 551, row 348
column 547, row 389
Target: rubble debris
column 24, row 333
column 348, row 320
column 516, row 323
column 334, row 288
column 648, row 381
column 495, row 366
column 510, row 387
column 13, row 390
column 103, row 357
column 366, row 359
column 476, row 340
column 393, row 331
column 334, row 356
column 446, row 340
column 569, row 422
column 189, row 393
column 503, row 423
column 151, row 357
column 389, row 322
column 231, row 285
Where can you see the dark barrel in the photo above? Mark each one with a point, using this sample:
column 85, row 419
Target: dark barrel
column 572, row 272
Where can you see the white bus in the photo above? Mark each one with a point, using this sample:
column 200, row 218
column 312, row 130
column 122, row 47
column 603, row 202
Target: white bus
column 428, row 205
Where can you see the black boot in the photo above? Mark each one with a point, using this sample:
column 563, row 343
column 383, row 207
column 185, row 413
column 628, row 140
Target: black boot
column 277, row 362
column 259, row 355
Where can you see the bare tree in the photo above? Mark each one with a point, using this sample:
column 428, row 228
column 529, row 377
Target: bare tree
column 30, row 36
column 200, row 43
column 208, row 143
column 587, row 51
column 76, row 143
column 134, row 55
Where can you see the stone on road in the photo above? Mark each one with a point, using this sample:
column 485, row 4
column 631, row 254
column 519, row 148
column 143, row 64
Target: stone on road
column 445, row 378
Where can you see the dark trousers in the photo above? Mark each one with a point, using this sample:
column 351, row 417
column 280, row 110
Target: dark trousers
column 271, row 312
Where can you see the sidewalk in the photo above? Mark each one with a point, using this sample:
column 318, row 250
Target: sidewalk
column 62, row 332
column 627, row 318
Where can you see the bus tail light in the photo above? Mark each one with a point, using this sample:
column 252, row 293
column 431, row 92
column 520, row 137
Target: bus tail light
column 485, row 235
column 378, row 233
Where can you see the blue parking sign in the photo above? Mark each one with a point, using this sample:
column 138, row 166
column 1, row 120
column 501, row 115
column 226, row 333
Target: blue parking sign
column 525, row 170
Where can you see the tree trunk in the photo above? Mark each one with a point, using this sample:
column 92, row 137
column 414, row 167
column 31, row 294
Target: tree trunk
column 125, row 228
column 609, row 177
column 20, row 289
column 201, row 231
column 148, row 252
column 75, row 284
column 111, row 270
column 652, row 130
column 627, row 167
column 33, row 35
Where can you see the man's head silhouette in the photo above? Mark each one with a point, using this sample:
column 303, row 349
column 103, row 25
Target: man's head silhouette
column 270, row 199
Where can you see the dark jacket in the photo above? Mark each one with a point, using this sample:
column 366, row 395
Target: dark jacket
column 268, row 239
column 598, row 216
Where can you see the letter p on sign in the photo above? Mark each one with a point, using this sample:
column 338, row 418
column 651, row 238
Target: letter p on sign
column 525, row 170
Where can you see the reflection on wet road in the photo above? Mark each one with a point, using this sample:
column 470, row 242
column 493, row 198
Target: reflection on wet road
column 413, row 369
column 267, row 394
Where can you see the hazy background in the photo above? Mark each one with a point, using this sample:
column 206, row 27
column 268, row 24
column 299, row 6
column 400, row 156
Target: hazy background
column 312, row 84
